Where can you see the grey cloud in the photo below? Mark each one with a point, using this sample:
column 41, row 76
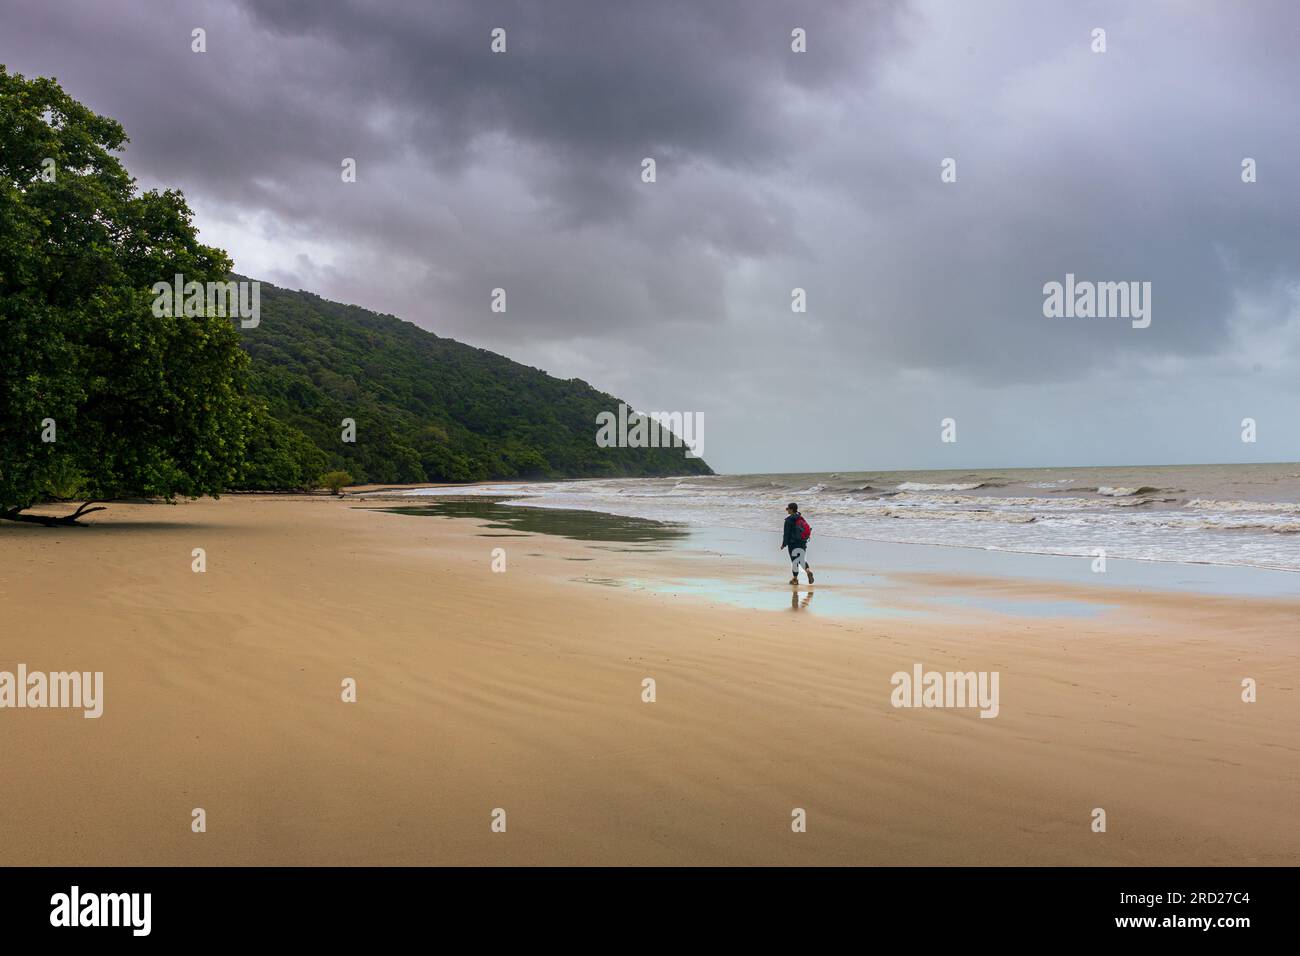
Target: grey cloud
column 818, row 170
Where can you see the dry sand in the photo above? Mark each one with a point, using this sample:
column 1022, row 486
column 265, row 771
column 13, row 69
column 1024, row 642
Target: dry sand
column 522, row 691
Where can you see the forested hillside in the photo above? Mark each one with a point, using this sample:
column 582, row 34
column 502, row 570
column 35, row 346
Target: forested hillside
column 426, row 408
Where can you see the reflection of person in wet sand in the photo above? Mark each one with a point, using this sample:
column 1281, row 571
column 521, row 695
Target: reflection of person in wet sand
column 798, row 603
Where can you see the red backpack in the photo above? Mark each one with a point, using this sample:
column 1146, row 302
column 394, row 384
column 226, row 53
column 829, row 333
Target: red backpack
column 802, row 526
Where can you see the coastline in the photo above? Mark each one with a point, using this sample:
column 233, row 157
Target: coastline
column 857, row 555
column 1220, row 516
column 522, row 690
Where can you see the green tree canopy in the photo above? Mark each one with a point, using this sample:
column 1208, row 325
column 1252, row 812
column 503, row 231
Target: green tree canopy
column 135, row 404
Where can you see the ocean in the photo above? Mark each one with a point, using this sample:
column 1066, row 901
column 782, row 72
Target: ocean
column 1192, row 514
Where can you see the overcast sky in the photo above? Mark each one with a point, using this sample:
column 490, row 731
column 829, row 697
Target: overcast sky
column 775, row 170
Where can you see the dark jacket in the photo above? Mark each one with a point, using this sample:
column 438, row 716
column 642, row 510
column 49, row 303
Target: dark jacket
column 790, row 536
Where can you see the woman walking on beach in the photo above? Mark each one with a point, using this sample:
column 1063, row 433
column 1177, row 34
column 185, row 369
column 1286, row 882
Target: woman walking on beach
column 795, row 537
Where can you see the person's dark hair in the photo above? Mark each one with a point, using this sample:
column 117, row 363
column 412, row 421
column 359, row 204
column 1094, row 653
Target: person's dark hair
column 792, row 506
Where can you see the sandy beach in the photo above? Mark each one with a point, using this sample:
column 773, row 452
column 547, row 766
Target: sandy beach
column 522, row 691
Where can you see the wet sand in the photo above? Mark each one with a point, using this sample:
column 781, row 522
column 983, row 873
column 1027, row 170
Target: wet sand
column 522, row 691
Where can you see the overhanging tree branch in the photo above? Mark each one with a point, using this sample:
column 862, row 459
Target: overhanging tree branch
column 52, row 521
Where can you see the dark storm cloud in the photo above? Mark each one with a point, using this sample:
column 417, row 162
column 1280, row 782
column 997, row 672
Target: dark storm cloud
column 412, row 91
column 594, row 86
column 594, row 79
